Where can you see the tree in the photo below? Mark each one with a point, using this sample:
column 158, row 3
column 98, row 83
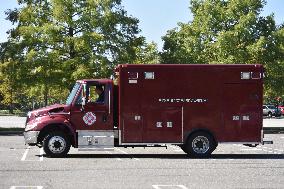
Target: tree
column 147, row 54
column 10, row 85
column 229, row 32
column 60, row 41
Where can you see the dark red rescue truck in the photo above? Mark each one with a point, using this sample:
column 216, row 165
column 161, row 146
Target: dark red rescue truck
column 195, row 107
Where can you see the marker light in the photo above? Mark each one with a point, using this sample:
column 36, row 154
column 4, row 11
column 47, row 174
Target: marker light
column 149, row 75
column 245, row 75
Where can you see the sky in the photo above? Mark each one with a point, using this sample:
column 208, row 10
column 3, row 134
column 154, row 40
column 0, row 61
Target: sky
column 156, row 16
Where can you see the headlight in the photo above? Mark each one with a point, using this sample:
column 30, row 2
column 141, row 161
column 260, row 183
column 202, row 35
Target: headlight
column 30, row 126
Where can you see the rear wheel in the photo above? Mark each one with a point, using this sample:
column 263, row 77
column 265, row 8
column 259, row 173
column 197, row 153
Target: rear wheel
column 199, row 144
column 56, row 144
column 270, row 114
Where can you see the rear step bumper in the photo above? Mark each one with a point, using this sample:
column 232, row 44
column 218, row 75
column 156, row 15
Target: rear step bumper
column 267, row 142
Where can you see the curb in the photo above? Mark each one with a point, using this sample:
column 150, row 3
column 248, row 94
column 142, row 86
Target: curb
column 11, row 133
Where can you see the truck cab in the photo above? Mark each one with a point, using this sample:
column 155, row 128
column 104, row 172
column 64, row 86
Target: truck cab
column 85, row 121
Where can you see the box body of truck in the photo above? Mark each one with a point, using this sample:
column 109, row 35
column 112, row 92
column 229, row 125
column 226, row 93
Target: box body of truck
column 166, row 103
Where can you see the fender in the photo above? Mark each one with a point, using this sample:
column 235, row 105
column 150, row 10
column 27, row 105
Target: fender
column 57, row 119
column 190, row 132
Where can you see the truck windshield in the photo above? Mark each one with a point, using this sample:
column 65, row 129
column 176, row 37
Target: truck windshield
column 72, row 93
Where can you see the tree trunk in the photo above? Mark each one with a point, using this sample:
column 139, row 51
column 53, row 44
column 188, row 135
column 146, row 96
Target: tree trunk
column 45, row 95
column 11, row 108
column 71, row 46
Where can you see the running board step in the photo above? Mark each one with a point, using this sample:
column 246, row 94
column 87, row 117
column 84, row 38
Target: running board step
column 95, row 149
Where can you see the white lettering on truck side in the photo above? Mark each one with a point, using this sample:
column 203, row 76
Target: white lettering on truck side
column 179, row 100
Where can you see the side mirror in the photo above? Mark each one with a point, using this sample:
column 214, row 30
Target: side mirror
column 84, row 96
column 83, row 101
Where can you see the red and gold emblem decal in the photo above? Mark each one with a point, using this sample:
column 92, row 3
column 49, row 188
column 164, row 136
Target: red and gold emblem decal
column 89, row 118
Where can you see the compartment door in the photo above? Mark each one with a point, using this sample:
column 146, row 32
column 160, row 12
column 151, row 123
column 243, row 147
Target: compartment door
column 242, row 112
column 130, row 117
column 132, row 128
column 163, row 125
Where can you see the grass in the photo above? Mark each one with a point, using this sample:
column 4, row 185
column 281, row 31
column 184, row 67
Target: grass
column 15, row 113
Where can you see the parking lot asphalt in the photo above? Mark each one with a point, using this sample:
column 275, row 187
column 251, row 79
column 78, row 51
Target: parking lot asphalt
column 230, row 166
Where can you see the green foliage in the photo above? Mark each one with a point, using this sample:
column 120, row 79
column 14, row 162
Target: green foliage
column 56, row 42
column 229, row 32
column 147, row 54
column 4, row 112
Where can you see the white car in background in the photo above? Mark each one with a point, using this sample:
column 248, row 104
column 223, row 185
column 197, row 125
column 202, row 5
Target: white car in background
column 271, row 110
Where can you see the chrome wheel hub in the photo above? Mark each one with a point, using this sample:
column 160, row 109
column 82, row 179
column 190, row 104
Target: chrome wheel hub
column 57, row 144
column 200, row 145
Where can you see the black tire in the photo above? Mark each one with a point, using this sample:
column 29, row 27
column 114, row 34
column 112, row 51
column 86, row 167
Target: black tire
column 56, row 144
column 200, row 145
column 269, row 114
column 183, row 148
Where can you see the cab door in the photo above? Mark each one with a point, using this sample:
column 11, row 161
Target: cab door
column 93, row 115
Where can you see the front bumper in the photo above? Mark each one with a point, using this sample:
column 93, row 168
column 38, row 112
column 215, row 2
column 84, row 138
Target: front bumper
column 31, row 137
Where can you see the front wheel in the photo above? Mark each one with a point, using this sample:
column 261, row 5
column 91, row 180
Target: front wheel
column 200, row 144
column 56, row 144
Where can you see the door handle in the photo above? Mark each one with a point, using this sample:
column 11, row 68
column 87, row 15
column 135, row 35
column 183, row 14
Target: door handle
column 105, row 118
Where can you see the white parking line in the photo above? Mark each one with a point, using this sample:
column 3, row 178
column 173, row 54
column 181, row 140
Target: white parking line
column 37, row 187
column 263, row 148
column 176, row 149
column 158, row 186
column 251, row 149
column 237, row 145
column 125, row 153
column 41, row 154
column 25, row 153
column 272, row 152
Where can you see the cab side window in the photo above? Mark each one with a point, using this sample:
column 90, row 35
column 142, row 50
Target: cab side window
column 92, row 94
column 96, row 94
